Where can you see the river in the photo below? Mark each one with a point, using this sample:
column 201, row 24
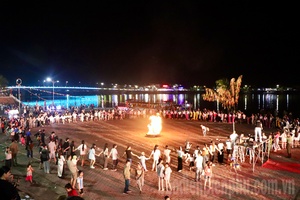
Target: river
column 248, row 102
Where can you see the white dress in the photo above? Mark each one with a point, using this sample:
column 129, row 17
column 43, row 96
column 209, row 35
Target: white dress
column 92, row 154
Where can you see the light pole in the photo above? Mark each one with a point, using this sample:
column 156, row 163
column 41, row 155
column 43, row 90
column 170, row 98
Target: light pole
column 50, row 80
column 19, row 82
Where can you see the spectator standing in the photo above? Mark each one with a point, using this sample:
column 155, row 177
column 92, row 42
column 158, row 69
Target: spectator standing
column 14, row 148
column 126, row 174
column 60, row 164
column 80, row 182
column 8, row 190
column 72, row 165
column 208, row 174
column 8, row 157
column 29, row 173
column 52, row 151
column 199, row 166
column 45, row 159
column 139, row 176
column 167, row 176
column 160, row 174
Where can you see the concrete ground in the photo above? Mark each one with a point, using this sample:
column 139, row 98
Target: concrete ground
column 249, row 183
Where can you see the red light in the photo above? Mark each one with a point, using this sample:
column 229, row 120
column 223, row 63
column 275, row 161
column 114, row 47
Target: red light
column 165, row 86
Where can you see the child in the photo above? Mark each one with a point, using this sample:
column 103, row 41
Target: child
column 70, row 190
column 8, row 157
column 80, row 182
column 29, row 173
column 143, row 159
column 23, row 140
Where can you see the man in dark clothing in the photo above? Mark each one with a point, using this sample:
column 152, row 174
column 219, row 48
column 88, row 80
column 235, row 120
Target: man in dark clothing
column 66, row 147
column 8, row 190
column 43, row 134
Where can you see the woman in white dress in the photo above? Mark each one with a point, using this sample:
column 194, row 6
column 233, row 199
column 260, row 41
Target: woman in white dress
column 92, row 156
column 60, row 164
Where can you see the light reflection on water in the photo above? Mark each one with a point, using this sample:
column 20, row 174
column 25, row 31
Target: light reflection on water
column 248, row 103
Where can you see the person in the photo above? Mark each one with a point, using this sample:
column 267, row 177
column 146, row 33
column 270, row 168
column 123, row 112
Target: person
column 52, row 151
column 167, row 176
column 257, row 131
column 126, row 174
column 156, row 155
column 289, row 141
column 105, row 156
column 8, row 189
column 80, row 182
column 167, row 197
column 276, row 141
column 70, row 190
column 204, row 129
column 72, row 165
column 139, row 176
column 114, row 154
column 190, row 159
column 160, row 174
column 60, row 164
column 180, row 154
column 66, row 147
column 82, row 152
column 29, row 173
column 92, row 156
column 143, row 159
column 72, row 148
column 167, row 152
column 199, row 166
column 14, row 148
column 233, row 138
column 220, row 152
column 284, row 138
column 29, row 149
column 188, row 146
column 45, row 159
column 208, row 174
column 213, row 147
column 8, row 157
column 128, row 153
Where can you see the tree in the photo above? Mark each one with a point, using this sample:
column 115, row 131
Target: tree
column 3, row 82
column 226, row 93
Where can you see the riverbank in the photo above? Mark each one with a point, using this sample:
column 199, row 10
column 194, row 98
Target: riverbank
column 249, row 183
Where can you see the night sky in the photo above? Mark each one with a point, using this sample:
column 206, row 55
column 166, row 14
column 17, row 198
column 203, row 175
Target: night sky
column 146, row 42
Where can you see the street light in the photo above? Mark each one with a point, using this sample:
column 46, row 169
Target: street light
column 50, row 80
column 19, row 82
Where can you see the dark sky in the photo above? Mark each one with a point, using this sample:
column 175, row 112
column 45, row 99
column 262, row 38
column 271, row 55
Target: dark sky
column 145, row 42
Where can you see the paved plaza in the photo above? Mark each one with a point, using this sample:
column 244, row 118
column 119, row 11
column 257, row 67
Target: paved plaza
column 260, row 183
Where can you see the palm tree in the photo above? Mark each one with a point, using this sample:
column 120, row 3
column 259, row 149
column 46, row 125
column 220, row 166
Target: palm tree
column 227, row 94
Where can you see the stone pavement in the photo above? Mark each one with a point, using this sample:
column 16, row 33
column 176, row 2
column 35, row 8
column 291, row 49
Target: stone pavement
column 100, row 184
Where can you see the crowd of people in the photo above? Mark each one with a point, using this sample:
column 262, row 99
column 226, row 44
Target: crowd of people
column 64, row 154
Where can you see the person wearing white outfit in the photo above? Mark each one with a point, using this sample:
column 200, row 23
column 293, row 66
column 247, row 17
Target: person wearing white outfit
column 257, row 131
column 156, row 155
